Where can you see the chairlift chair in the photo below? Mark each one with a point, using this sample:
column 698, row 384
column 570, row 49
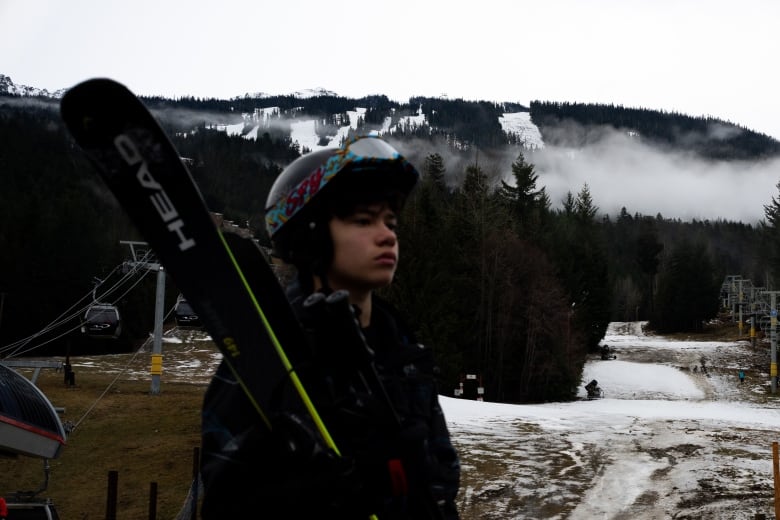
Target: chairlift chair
column 102, row 321
column 185, row 315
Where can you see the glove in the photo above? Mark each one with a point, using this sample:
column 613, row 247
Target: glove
column 313, row 470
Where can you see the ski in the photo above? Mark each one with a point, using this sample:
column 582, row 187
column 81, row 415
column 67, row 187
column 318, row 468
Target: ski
column 143, row 170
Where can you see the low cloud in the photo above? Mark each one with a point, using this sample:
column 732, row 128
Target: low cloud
column 622, row 171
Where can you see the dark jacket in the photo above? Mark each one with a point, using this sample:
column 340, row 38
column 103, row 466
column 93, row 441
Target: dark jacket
column 396, row 469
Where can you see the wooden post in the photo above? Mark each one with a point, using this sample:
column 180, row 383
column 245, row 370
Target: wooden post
column 776, row 467
column 113, row 480
column 153, row 501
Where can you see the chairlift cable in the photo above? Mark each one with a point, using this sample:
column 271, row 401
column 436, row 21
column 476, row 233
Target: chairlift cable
column 18, row 345
column 110, row 385
column 56, row 323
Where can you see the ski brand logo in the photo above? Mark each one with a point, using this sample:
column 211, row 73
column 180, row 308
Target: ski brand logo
column 160, row 200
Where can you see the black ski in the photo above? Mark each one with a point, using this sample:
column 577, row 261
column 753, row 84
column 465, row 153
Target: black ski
column 143, row 170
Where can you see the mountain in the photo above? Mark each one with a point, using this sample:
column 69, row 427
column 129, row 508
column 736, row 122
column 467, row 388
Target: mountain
column 9, row 88
column 319, row 117
column 642, row 160
column 312, row 92
column 645, row 184
column 516, row 125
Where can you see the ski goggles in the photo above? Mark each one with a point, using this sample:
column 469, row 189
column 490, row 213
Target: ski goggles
column 364, row 154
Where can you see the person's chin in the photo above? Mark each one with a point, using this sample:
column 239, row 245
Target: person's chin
column 381, row 282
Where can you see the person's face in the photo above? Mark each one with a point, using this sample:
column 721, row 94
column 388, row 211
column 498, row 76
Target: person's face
column 365, row 249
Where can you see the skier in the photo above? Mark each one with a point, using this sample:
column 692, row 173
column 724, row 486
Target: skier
column 332, row 215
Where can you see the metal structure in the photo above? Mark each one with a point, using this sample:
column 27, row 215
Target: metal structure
column 141, row 258
column 742, row 300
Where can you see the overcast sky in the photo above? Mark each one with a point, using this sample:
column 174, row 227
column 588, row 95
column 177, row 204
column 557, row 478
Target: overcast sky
column 701, row 58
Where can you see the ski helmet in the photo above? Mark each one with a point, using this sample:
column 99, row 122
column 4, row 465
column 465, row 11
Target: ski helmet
column 294, row 219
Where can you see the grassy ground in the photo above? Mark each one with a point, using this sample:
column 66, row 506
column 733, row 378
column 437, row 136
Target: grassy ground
column 145, row 438
column 727, row 331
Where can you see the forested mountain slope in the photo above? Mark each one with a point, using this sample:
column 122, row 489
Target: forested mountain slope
column 503, row 280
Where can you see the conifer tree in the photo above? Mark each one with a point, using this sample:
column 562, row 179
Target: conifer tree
column 771, row 231
column 687, row 290
column 648, row 249
column 433, row 171
column 526, row 203
column 579, row 253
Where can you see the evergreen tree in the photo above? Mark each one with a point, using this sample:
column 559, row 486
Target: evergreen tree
column 771, row 232
column 434, row 170
column 526, row 203
column 648, row 249
column 584, row 208
column 579, row 253
column 569, row 204
column 472, row 212
column 432, row 257
column 687, row 290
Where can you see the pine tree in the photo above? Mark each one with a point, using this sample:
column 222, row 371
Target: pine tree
column 578, row 250
column 433, row 171
column 771, row 232
column 583, row 205
column 648, row 249
column 526, row 203
column 687, row 290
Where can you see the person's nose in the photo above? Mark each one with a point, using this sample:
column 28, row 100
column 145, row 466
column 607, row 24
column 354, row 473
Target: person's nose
column 387, row 235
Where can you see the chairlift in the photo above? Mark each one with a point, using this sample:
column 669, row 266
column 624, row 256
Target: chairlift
column 185, row 315
column 765, row 323
column 102, row 321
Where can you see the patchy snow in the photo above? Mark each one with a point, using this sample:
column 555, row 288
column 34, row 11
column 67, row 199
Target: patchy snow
column 234, row 129
column 303, row 130
column 303, row 133
column 520, row 124
column 414, row 121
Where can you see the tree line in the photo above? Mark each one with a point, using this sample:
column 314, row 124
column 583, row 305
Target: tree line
column 475, row 123
column 708, row 137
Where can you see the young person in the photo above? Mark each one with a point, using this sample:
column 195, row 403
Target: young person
column 333, row 215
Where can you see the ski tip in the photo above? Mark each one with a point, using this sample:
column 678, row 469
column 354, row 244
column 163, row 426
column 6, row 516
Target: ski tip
column 87, row 106
column 99, row 82
column 92, row 89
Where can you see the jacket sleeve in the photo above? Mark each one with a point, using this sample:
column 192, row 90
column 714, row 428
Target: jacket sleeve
column 445, row 469
column 432, row 463
column 410, row 373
